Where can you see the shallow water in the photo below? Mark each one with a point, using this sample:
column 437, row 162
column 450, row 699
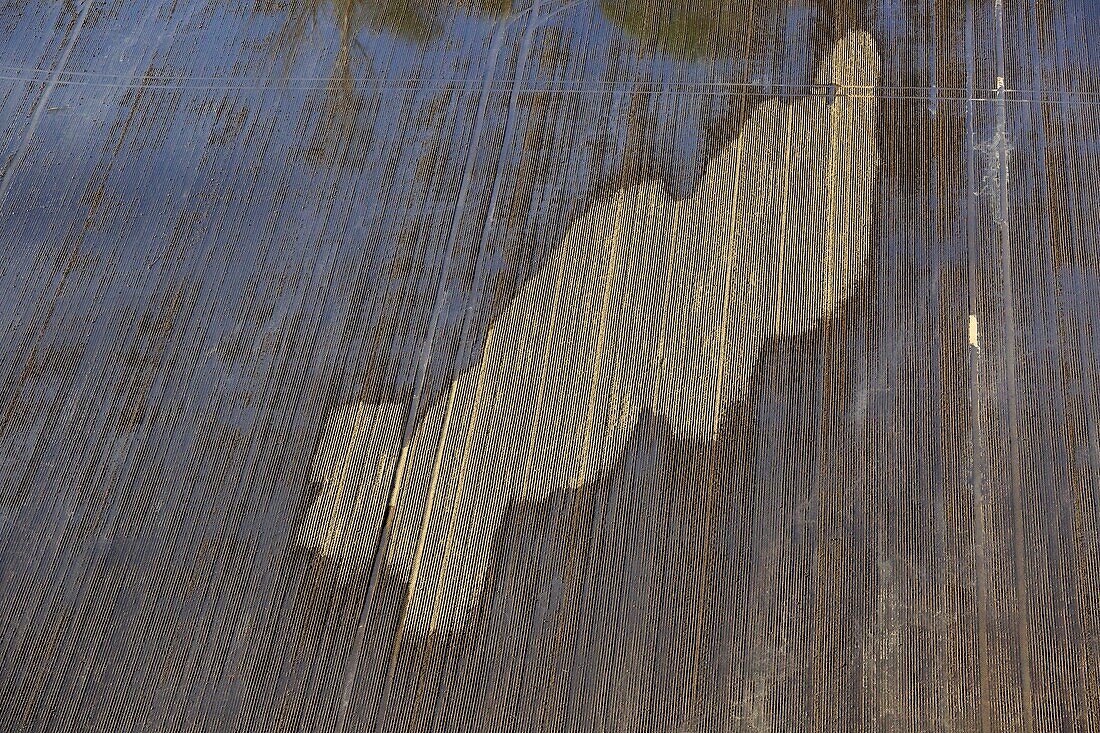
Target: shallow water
column 224, row 222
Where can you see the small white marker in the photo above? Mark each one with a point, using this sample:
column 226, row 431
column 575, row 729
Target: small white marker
column 974, row 331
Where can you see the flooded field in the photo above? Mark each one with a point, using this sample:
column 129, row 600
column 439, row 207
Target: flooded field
column 549, row 365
